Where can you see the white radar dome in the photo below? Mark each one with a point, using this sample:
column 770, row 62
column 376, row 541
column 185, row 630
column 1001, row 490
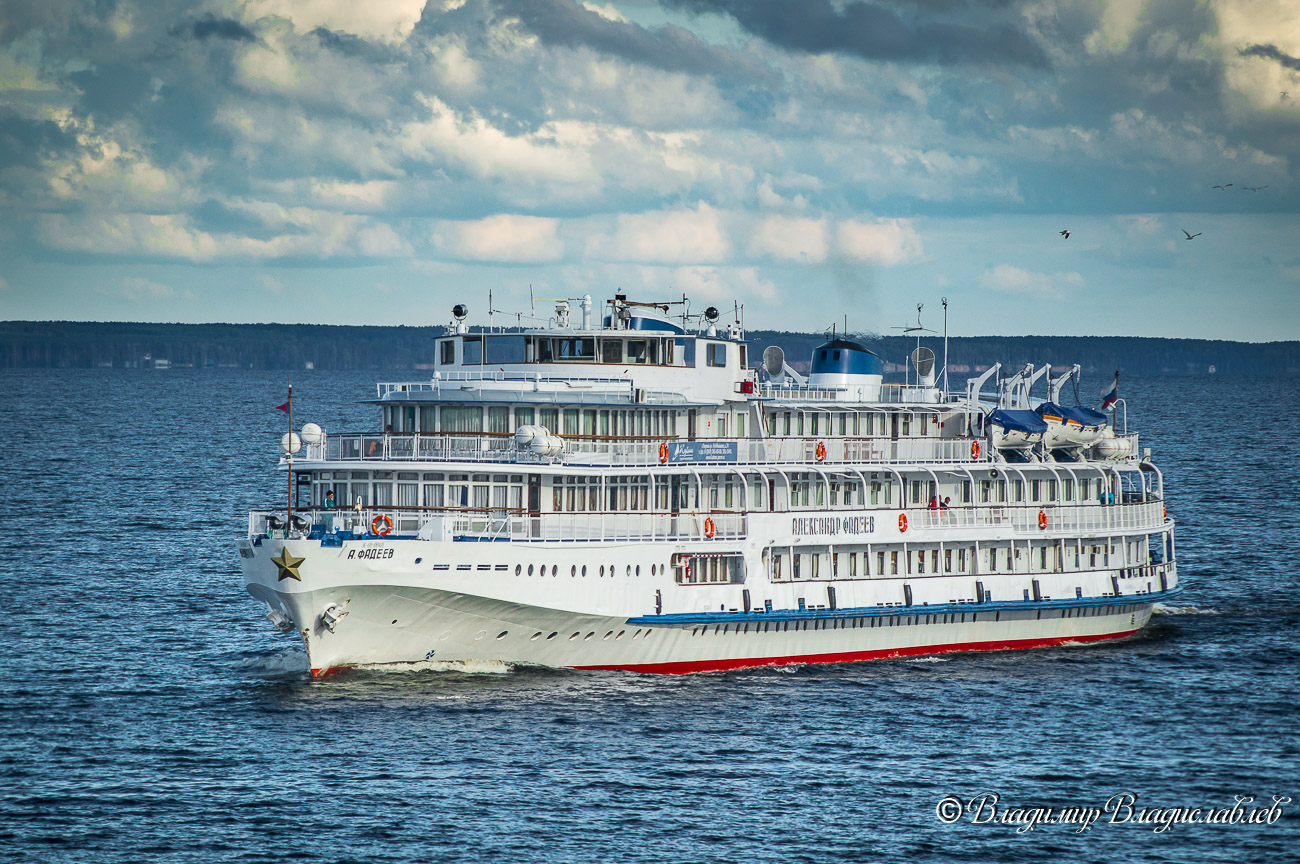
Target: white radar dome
column 291, row 443
column 312, row 433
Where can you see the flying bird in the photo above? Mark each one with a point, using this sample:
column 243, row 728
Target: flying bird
column 1253, row 188
column 1223, row 187
column 1191, row 236
column 1066, row 234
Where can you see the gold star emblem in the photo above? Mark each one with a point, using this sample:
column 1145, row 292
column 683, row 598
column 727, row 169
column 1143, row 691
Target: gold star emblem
column 288, row 565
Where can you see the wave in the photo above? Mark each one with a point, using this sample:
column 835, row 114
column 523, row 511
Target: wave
column 1166, row 609
column 277, row 665
column 464, row 667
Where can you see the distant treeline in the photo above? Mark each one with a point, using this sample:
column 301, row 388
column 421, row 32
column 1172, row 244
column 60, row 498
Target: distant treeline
column 82, row 345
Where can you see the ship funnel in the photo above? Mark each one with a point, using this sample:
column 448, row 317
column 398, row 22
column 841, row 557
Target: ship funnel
column 923, row 362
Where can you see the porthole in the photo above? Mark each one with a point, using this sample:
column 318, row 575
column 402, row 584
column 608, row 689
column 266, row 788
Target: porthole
column 573, row 571
column 653, row 569
column 535, row 636
column 555, row 569
column 607, row 635
column 588, row 636
column 503, row 634
column 636, row 634
column 394, row 620
column 620, row 634
column 519, row 568
column 574, row 636
column 584, row 571
column 530, row 569
column 479, row 635
column 629, row 569
column 418, row 560
column 638, row 569
column 602, row 570
column 552, row 636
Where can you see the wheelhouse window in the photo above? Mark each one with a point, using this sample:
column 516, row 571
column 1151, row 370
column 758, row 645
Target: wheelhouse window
column 717, row 354
column 473, row 350
column 447, row 352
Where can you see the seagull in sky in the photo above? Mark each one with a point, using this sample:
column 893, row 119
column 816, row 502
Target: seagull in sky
column 1253, row 188
column 1223, row 187
column 1066, row 234
column 1191, row 236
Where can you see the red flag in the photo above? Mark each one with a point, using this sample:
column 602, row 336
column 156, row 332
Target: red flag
column 284, row 407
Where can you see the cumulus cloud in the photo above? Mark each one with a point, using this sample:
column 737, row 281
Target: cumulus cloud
column 928, row 32
column 138, row 290
column 696, row 236
column 886, row 242
column 790, row 239
column 387, row 20
column 504, row 238
column 1006, row 279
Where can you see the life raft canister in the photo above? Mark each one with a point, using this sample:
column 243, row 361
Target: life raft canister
column 1042, row 521
column 974, row 449
column 382, row 524
column 709, row 528
column 663, row 452
column 902, row 522
column 821, row 451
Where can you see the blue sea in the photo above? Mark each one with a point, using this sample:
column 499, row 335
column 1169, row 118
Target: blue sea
column 148, row 713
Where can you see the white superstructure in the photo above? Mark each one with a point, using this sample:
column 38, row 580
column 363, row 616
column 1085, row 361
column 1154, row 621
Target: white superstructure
column 630, row 494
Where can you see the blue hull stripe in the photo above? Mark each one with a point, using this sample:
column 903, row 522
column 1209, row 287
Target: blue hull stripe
column 887, row 611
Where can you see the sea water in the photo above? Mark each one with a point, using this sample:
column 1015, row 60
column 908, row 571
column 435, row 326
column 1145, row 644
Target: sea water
column 148, row 712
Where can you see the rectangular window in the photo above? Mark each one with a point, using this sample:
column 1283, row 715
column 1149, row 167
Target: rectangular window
column 499, row 419
column 461, row 418
column 473, row 350
column 447, row 352
column 548, row 418
column 523, row 417
column 716, row 353
column 880, row 563
column 611, row 350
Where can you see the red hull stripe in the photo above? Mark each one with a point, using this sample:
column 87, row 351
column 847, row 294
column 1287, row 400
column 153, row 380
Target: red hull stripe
column 721, row 665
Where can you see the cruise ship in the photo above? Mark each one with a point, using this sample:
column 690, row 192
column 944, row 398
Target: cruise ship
column 631, row 488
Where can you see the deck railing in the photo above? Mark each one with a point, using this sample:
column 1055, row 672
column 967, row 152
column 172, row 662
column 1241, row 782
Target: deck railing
column 921, row 525
column 647, row 450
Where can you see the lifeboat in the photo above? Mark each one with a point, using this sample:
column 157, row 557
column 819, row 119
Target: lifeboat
column 1070, row 428
column 1012, row 429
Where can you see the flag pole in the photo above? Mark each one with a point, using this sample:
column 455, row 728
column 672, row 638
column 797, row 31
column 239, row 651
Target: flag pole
column 289, row 524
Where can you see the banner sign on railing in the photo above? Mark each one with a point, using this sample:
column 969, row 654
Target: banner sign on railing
column 702, row 451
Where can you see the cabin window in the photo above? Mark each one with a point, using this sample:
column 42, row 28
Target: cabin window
column 925, row 424
column 473, row 350
column 844, row 425
column 776, row 566
column 1069, row 490
column 461, row 418
column 636, row 351
column 523, row 417
column 447, row 352
column 1035, row 489
column 611, row 351
column 787, row 424
column 1017, row 490
column 504, row 349
column 549, row 418
column 905, row 424
column 716, row 353
column 499, row 419
column 893, row 563
column 428, row 418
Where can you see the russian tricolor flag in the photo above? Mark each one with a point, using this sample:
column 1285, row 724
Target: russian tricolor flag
column 1110, row 395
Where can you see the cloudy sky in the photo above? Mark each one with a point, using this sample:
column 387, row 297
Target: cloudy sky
column 341, row 162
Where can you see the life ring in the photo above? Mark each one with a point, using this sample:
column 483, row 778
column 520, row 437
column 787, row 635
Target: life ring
column 974, row 449
column 663, row 452
column 902, row 523
column 382, row 524
column 821, row 451
column 709, row 528
column 1042, row 521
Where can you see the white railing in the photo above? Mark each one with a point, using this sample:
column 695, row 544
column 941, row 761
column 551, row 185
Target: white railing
column 1046, row 520
column 641, row 451
column 442, row 524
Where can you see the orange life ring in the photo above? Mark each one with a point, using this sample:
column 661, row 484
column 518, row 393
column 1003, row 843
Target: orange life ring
column 902, row 522
column 1042, row 521
column 382, row 524
column 821, row 451
column 709, row 528
column 974, row 449
column 663, row 452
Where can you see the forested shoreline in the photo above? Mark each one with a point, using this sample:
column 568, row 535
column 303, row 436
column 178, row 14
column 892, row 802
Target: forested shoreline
column 83, row 345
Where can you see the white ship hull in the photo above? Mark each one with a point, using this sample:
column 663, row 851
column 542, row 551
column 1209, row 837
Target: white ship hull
column 387, row 611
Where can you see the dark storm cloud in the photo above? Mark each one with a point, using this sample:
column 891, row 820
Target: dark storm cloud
column 1271, row 52
column 925, row 32
column 674, row 49
column 221, row 28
